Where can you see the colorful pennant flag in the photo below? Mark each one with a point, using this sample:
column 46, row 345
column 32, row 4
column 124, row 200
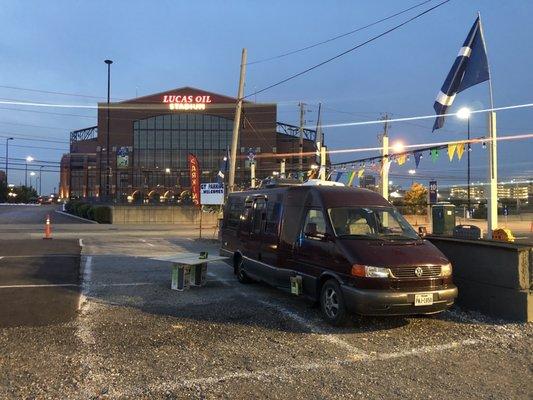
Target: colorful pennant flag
column 451, row 150
column 360, row 172
column 401, row 159
column 339, row 174
column 460, row 150
column 418, row 156
column 434, row 154
column 350, row 180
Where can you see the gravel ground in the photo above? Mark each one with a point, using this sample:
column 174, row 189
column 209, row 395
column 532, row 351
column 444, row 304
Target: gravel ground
column 136, row 338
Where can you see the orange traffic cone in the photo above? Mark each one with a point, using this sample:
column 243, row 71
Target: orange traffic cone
column 47, row 228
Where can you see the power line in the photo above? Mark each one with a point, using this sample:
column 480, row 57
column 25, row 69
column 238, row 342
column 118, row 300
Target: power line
column 55, row 92
column 338, row 36
column 347, row 51
column 22, row 136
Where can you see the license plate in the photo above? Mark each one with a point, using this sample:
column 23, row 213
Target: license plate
column 424, row 299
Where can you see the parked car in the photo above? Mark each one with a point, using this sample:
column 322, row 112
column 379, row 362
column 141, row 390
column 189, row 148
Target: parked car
column 347, row 248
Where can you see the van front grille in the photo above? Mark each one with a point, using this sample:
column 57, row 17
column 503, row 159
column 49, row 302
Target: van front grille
column 428, row 271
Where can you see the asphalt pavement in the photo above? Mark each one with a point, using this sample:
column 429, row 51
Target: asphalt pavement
column 39, row 282
column 34, row 214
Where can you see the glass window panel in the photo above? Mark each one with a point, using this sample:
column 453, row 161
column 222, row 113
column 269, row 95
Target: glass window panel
column 183, row 139
column 143, row 124
column 159, row 160
column 199, row 121
column 135, row 124
column 214, row 123
column 175, row 139
column 175, row 121
column 207, row 140
column 150, row 142
column 151, row 123
column 215, row 139
column 159, row 140
column 159, row 122
column 183, row 121
column 191, row 140
column 199, row 139
column 166, row 121
column 207, row 122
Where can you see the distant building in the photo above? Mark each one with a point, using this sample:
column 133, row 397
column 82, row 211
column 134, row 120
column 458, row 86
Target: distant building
column 150, row 138
column 368, row 182
column 510, row 191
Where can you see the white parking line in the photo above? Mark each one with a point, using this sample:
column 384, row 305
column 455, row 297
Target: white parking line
column 284, row 372
column 38, row 286
column 323, row 335
column 148, row 243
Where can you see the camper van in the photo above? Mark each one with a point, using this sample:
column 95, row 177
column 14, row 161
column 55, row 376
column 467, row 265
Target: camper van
column 346, row 248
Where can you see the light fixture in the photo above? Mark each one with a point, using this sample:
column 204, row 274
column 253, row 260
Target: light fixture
column 398, row 147
column 29, row 159
column 463, row 113
column 412, row 172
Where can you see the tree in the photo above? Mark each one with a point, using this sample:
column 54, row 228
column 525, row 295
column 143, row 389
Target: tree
column 416, row 198
column 3, row 191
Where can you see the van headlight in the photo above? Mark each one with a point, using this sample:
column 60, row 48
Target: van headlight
column 368, row 271
column 446, row 270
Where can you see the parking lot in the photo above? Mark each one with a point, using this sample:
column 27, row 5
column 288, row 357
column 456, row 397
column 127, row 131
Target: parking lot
column 133, row 337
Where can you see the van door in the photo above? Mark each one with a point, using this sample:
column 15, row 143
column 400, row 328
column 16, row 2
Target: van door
column 314, row 251
column 254, row 244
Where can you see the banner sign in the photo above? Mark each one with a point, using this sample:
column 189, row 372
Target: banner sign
column 433, row 192
column 212, row 193
column 123, row 157
column 194, row 170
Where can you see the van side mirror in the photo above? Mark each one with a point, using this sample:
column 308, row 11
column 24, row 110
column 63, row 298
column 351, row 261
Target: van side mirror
column 310, row 230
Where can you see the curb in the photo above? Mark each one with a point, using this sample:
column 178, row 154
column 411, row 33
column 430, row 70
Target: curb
column 75, row 216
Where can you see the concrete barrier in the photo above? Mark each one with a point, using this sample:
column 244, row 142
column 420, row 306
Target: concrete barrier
column 494, row 278
column 147, row 214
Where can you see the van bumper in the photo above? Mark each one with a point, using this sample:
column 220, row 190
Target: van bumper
column 393, row 302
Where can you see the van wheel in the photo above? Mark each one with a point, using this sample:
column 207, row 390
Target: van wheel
column 239, row 271
column 332, row 303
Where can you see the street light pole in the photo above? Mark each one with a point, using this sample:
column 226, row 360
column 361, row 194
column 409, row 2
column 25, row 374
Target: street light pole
column 468, row 168
column 108, row 166
column 40, row 179
column 28, row 160
column 7, row 157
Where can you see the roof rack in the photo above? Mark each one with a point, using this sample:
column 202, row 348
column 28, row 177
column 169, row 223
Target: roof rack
column 278, row 182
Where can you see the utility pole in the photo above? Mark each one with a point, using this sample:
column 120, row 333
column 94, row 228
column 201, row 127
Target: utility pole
column 282, row 169
column 108, row 167
column 236, row 124
column 301, row 142
column 252, row 173
column 7, row 158
column 385, row 159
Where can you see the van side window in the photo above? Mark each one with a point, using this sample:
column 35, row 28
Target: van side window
column 273, row 213
column 235, row 208
column 315, row 224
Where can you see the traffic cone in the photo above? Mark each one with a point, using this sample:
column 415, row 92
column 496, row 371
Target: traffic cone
column 47, row 228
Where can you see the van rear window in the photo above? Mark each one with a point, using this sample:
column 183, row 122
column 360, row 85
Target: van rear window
column 234, row 210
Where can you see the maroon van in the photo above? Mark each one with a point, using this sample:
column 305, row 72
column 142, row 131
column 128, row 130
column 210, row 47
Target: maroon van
column 347, row 248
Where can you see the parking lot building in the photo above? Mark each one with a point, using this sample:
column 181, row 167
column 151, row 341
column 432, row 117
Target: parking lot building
column 150, row 138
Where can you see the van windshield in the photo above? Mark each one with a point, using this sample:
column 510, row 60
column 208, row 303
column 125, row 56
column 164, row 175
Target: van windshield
column 371, row 222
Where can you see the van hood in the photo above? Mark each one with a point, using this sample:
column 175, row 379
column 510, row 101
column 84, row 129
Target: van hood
column 391, row 253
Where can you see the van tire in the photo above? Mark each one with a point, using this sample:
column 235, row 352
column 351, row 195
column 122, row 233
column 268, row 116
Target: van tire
column 332, row 303
column 239, row 271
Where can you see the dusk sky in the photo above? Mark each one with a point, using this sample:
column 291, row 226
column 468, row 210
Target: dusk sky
column 60, row 46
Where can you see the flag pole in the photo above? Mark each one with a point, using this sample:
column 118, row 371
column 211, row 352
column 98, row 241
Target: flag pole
column 492, row 199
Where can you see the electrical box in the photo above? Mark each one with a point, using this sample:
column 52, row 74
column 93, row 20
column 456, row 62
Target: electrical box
column 443, row 217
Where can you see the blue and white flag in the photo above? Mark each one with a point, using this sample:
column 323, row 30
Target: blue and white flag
column 223, row 167
column 470, row 68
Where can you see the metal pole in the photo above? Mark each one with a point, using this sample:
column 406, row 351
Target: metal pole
column 282, row 168
column 108, row 167
column 301, row 141
column 236, row 125
column 252, row 174
column 492, row 200
column 385, row 160
column 322, row 172
column 26, row 174
column 468, row 173
column 40, row 179
column 7, row 158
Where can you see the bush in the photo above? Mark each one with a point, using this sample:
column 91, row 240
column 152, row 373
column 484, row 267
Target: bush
column 84, row 210
column 90, row 213
column 102, row 214
column 70, row 206
column 77, row 209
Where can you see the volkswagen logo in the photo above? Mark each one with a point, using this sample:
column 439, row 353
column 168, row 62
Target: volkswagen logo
column 419, row 271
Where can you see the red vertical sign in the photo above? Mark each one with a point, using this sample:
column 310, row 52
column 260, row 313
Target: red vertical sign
column 194, row 170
